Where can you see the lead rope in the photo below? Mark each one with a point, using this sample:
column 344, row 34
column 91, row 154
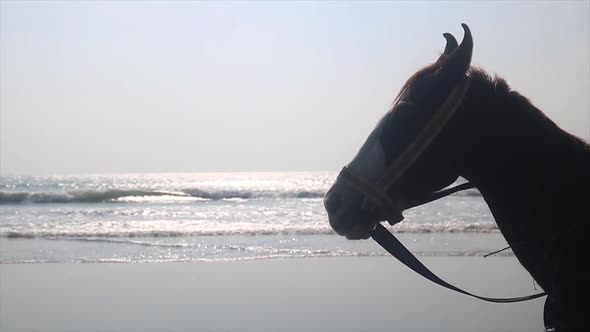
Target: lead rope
column 390, row 243
column 496, row 252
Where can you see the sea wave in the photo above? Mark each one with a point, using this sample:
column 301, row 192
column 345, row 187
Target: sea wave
column 284, row 254
column 246, row 230
column 79, row 196
column 119, row 241
column 250, row 194
column 142, row 195
column 128, row 195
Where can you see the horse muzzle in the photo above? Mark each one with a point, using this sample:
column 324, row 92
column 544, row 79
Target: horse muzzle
column 348, row 214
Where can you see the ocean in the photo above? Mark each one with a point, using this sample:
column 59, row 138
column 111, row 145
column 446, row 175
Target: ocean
column 198, row 217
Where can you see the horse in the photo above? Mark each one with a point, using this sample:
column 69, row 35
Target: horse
column 533, row 175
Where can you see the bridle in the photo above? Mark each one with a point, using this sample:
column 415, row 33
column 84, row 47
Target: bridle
column 375, row 196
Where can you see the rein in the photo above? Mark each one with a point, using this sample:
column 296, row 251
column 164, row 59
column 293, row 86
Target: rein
column 376, row 198
column 390, row 243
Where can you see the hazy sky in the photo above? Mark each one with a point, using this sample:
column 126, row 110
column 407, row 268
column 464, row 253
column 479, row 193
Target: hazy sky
column 241, row 86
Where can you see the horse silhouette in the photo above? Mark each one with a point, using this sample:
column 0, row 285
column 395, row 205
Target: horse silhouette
column 534, row 176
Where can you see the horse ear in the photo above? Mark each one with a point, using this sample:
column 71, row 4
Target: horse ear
column 449, row 48
column 457, row 63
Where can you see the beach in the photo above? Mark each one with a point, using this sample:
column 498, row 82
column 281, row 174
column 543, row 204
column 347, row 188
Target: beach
column 240, row 252
column 295, row 294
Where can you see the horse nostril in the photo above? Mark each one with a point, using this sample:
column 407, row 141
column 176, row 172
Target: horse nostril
column 334, row 202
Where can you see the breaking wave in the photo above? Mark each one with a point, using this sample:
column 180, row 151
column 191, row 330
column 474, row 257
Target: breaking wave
column 247, row 194
column 81, row 196
column 121, row 195
column 140, row 195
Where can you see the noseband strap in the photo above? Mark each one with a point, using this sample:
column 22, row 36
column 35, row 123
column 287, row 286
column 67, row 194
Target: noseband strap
column 375, row 199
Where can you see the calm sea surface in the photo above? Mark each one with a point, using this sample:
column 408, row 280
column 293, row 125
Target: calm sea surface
column 187, row 217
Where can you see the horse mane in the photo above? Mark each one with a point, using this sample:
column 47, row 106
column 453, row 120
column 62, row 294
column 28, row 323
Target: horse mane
column 502, row 91
column 484, row 84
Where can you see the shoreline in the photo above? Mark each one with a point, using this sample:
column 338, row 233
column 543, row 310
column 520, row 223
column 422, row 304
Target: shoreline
column 294, row 294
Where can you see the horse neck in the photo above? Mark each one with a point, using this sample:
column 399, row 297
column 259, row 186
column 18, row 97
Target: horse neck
column 527, row 169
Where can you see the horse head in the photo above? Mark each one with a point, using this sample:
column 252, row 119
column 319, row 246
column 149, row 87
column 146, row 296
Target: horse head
column 450, row 120
column 412, row 151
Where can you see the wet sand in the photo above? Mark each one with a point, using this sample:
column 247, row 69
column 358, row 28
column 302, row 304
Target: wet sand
column 313, row 294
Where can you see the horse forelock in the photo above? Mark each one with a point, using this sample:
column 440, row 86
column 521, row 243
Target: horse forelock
column 429, row 71
column 406, row 89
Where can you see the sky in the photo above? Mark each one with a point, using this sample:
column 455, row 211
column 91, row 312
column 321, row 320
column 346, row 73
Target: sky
column 103, row 87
